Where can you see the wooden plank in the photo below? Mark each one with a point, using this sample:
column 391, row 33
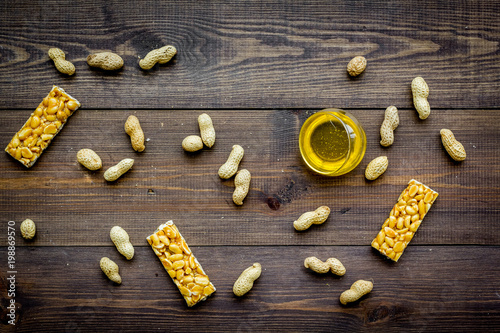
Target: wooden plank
column 432, row 289
column 255, row 54
column 73, row 206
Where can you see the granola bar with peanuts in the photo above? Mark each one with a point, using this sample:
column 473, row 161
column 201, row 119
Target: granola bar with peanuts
column 404, row 220
column 180, row 263
column 42, row 126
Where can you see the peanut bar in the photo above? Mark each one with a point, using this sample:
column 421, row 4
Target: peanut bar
column 404, row 220
column 42, row 126
column 180, row 263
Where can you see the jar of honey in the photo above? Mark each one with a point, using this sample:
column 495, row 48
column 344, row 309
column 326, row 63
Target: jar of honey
column 332, row 142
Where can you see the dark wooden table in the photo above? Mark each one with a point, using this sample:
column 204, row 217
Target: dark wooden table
column 259, row 68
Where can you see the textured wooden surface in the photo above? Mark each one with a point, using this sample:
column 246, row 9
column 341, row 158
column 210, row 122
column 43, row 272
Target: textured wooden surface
column 256, row 54
column 259, row 68
column 167, row 183
column 429, row 292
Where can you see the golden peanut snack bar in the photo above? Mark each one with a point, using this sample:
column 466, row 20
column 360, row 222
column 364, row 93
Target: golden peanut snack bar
column 180, row 263
column 404, row 220
column 42, row 126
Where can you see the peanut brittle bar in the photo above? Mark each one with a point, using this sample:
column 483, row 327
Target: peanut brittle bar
column 42, row 126
column 404, row 220
column 180, row 263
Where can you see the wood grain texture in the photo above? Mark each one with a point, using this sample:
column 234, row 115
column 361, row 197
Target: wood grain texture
column 425, row 291
column 254, row 54
column 74, row 206
column 259, row 68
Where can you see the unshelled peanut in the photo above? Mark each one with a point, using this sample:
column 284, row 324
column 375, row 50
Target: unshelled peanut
column 246, row 279
column 356, row 66
column 420, row 91
column 207, row 130
column 390, row 123
column 161, row 56
column 28, row 229
column 110, row 268
column 122, row 242
column 192, row 143
column 357, row 290
column 331, row 264
column 133, row 128
column 89, row 159
column 242, row 185
column 105, row 60
column 376, row 167
column 118, row 170
column 59, row 58
column 454, row 148
column 228, row 169
column 307, row 219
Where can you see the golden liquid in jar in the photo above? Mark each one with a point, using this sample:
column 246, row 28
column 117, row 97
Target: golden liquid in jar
column 332, row 143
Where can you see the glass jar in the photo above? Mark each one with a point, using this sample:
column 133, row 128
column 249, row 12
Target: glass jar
column 332, row 142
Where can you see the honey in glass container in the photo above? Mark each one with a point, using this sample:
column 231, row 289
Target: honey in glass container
column 332, row 142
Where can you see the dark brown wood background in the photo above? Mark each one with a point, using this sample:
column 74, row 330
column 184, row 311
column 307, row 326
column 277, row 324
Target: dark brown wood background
column 259, row 68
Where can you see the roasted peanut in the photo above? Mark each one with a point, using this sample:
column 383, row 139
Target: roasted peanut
column 356, row 66
column 122, row 242
column 192, row 143
column 246, row 279
column 420, row 91
column 28, row 229
column 390, row 123
column 319, row 266
column 228, row 169
column 207, row 130
column 454, row 148
column 89, row 159
column 133, row 128
column 62, row 65
column 161, row 56
column 376, row 167
column 242, row 184
column 118, row 170
column 105, row 60
column 72, row 105
column 110, row 268
column 357, row 290
column 309, row 218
